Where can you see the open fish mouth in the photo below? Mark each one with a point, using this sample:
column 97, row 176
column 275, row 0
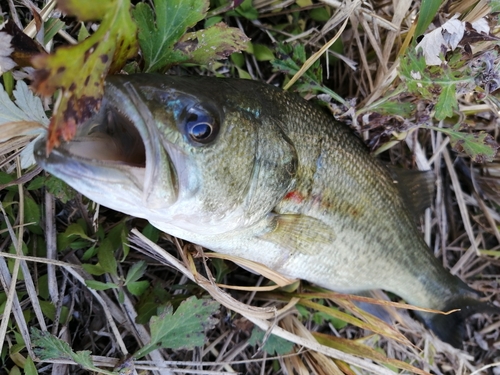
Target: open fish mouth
column 118, row 146
column 107, row 146
column 109, row 139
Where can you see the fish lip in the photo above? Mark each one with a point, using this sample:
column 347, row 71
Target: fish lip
column 126, row 98
column 62, row 162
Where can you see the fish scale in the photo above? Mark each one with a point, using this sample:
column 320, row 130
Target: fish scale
column 246, row 169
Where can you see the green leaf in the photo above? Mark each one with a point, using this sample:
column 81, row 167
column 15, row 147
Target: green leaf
column 8, row 79
column 243, row 74
column 136, row 272
column 413, row 71
column 320, row 317
column 47, row 346
column 212, row 21
column 94, row 269
column 207, row 45
column 37, row 183
column 49, row 310
column 150, row 302
column 273, row 344
column 117, row 235
column 82, row 33
column 60, row 189
column 221, row 269
column 247, row 10
column 262, row 52
column 137, row 288
column 495, row 6
column 157, row 37
column 151, row 233
column 238, row 59
column 32, row 214
column 20, row 345
column 52, row 27
column 447, row 102
column 303, row 312
column 427, row 82
column 6, row 178
column 183, row 329
column 403, row 109
column 97, row 285
column 29, row 367
column 89, row 253
column 164, row 41
column 480, row 147
column 427, row 12
column 89, row 10
column 320, row 14
column 290, row 59
column 106, row 257
column 76, row 229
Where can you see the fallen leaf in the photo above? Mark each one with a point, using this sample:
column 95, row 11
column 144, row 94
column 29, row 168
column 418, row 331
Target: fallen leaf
column 207, row 45
column 481, row 26
column 24, row 117
column 79, row 70
column 441, row 40
column 21, row 47
column 6, row 63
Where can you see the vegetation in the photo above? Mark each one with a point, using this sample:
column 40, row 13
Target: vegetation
column 86, row 289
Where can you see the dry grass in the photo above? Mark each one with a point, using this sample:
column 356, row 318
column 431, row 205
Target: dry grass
column 461, row 228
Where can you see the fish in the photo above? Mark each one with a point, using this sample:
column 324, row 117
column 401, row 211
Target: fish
column 244, row 168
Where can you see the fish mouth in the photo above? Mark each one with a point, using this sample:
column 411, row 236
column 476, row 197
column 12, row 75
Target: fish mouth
column 117, row 146
column 110, row 139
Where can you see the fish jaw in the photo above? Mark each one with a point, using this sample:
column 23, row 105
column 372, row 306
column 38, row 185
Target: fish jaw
column 116, row 151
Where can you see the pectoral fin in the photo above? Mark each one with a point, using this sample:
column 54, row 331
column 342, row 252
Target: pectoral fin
column 299, row 233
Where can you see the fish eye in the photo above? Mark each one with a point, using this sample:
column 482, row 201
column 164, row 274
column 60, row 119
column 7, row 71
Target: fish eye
column 200, row 126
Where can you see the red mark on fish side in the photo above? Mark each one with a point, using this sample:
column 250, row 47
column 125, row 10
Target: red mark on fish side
column 294, row 196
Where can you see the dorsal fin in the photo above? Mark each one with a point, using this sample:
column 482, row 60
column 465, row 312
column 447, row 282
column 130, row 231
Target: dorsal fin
column 416, row 188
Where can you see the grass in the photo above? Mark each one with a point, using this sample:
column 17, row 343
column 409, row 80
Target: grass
column 94, row 278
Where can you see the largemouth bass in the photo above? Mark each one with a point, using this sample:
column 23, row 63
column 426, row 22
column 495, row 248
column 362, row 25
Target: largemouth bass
column 246, row 169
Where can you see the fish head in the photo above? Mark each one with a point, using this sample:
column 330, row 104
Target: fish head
column 176, row 151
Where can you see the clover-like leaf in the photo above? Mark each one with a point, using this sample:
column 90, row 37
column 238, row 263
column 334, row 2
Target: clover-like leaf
column 480, row 147
column 427, row 82
column 273, row 345
column 164, row 41
column 207, row 45
column 47, row 346
column 158, row 36
column 183, row 329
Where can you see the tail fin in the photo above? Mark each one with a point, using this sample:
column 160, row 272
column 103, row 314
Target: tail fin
column 451, row 328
